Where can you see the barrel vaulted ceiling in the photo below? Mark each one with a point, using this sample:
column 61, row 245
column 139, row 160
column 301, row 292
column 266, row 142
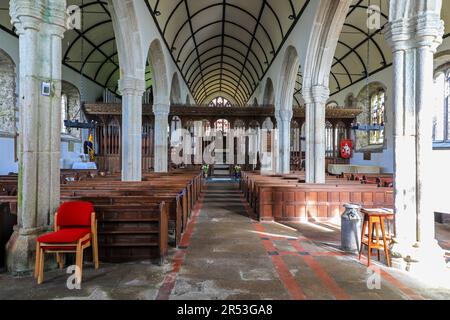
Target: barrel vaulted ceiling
column 225, row 46
column 361, row 51
column 92, row 50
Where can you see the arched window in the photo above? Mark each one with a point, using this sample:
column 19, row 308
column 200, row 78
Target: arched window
column 64, row 113
column 70, row 108
column 441, row 117
column 377, row 108
column 220, row 102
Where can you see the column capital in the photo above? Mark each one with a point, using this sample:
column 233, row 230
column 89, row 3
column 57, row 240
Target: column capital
column 161, row 110
column 316, row 94
column 131, row 86
column 425, row 30
column 284, row 115
column 31, row 14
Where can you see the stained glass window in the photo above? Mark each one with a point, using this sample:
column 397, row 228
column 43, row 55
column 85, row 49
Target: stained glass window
column 220, row 102
column 377, row 110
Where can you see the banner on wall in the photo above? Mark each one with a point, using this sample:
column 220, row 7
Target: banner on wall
column 346, row 149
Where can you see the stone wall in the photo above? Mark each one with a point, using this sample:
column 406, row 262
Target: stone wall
column 7, row 94
column 73, row 106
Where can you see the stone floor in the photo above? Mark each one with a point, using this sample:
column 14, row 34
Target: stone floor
column 226, row 255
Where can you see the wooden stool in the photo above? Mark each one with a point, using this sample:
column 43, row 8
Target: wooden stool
column 374, row 220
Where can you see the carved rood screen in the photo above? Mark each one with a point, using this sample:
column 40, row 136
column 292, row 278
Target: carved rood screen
column 108, row 139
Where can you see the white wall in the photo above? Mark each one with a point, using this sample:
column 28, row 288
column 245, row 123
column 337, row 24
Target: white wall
column 384, row 159
column 7, row 163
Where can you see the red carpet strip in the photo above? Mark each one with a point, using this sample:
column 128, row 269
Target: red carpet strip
column 169, row 281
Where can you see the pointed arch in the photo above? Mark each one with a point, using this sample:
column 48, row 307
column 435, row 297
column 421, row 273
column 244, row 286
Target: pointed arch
column 160, row 75
column 288, row 75
column 269, row 95
column 175, row 90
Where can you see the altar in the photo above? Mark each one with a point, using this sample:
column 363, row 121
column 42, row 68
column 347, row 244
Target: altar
column 84, row 166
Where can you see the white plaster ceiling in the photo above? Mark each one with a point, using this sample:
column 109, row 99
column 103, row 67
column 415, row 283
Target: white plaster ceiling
column 214, row 46
column 225, row 46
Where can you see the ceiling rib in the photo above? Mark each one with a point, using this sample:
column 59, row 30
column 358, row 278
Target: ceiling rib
column 261, row 11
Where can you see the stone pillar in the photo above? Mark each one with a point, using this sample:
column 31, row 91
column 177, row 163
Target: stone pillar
column 132, row 90
column 414, row 36
column 161, row 112
column 40, row 26
column 284, row 118
column 315, row 99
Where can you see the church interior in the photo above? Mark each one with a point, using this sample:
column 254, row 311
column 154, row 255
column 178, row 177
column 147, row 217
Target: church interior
column 224, row 149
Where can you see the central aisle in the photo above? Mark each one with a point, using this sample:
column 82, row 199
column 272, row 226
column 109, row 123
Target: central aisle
column 224, row 258
column 226, row 255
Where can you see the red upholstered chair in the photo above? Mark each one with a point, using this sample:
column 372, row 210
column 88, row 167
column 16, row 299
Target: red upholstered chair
column 75, row 230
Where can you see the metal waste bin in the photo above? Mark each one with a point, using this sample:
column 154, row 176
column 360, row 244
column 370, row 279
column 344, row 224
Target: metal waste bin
column 351, row 228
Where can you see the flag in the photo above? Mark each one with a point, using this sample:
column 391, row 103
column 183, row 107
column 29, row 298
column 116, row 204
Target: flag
column 90, row 147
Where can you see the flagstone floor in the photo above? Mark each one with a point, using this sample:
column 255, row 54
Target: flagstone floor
column 226, row 255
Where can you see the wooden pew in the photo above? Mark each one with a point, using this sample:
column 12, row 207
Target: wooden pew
column 131, row 232
column 8, row 185
column 301, row 203
column 11, row 202
column 254, row 182
column 178, row 190
column 68, row 175
column 8, row 219
column 124, row 197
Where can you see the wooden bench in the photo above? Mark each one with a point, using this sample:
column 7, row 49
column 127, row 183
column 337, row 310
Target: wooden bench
column 68, row 175
column 177, row 215
column 129, row 230
column 8, row 219
column 254, row 182
column 319, row 202
column 8, row 185
column 177, row 190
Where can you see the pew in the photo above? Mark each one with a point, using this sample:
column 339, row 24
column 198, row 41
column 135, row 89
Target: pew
column 301, row 203
column 68, row 175
column 177, row 215
column 180, row 191
column 283, row 198
column 252, row 182
column 8, row 218
column 124, row 238
column 132, row 232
